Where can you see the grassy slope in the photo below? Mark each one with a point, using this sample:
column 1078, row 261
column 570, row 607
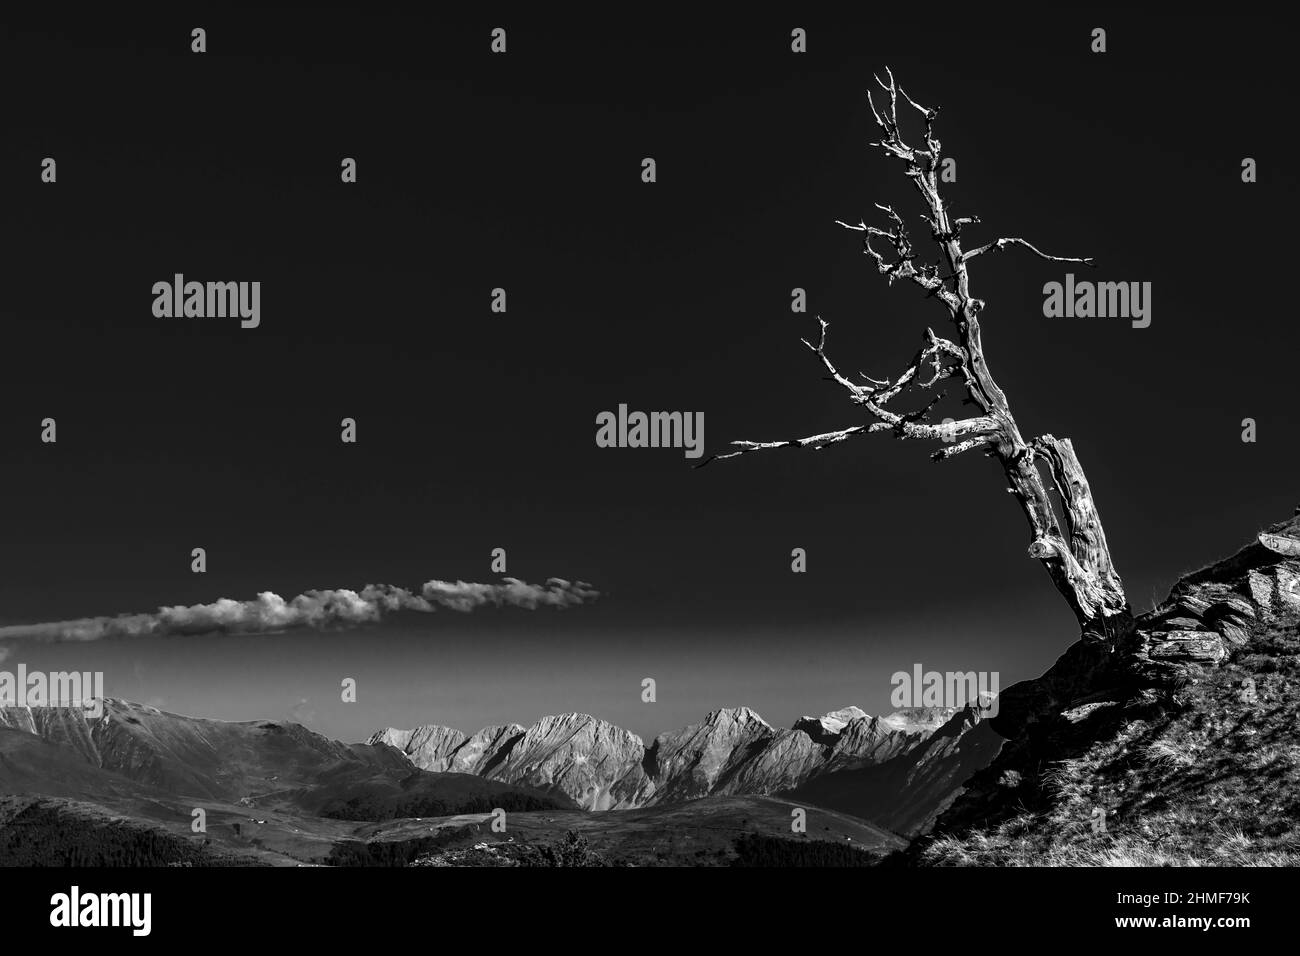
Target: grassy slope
column 1200, row 776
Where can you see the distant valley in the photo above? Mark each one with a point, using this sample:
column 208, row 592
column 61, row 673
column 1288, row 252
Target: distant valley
column 125, row 787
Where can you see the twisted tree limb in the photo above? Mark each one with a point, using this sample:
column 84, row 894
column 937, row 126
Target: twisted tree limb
column 1070, row 545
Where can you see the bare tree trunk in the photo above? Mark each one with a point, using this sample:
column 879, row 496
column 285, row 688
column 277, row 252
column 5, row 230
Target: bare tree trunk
column 1070, row 544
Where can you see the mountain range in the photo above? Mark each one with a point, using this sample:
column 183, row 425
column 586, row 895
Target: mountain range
column 126, row 788
column 733, row 751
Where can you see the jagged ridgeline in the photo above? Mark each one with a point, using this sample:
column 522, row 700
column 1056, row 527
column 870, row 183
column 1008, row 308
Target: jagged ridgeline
column 903, row 760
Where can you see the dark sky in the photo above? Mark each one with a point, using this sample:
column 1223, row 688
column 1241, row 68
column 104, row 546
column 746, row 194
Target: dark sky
column 477, row 429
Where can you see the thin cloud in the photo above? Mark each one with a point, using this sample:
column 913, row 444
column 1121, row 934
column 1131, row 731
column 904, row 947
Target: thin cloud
column 320, row 610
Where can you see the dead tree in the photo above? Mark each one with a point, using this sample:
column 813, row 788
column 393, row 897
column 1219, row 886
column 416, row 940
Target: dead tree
column 1068, row 541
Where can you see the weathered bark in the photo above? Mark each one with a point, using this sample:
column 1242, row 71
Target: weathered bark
column 1070, row 545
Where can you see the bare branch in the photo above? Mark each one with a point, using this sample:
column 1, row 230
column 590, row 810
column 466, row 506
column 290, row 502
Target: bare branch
column 984, row 427
column 888, row 120
column 927, row 113
column 901, row 425
column 878, row 392
column 932, row 353
column 908, row 425
column 859, row 392
column 998, row 245
column 943, row 454
column 815, row 442
column 930, row 116
column 927, row 277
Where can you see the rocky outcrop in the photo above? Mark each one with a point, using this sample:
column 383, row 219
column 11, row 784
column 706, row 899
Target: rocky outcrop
column 867, row 741
column 919, row 720
column 825, row 730
column 429, row 747
column 591, row 761
column 67, row 726
column 1097, row 692
column 786, row 759
column 482, row 753
column 1213, row 611
column 1208, row 614
column 694, row 761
